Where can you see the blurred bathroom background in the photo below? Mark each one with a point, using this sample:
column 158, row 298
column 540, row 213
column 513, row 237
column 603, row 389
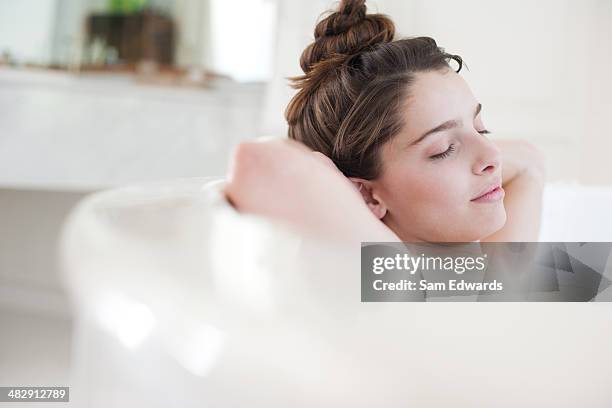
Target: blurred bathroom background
column 102, row 93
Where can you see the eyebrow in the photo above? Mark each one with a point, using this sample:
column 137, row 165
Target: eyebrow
column 449, row 124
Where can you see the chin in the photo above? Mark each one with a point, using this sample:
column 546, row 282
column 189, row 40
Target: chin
column 497, row 221
column 481, row 227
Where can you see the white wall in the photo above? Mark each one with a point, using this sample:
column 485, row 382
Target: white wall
column 242, row 39
column 26, row 29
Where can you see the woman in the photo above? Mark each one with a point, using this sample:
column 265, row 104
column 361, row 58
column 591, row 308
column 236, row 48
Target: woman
column 401, row 146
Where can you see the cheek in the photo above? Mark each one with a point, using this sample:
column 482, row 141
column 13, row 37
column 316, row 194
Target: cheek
column 434, row 188
column 433, row 202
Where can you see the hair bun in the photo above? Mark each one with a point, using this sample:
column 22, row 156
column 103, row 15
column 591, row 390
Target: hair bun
column 345, row 32
column 349, row 14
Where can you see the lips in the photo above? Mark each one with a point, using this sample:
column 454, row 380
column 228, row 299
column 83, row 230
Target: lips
column 488, row 189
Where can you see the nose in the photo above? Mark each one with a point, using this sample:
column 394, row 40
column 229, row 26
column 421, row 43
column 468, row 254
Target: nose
column 487, row 158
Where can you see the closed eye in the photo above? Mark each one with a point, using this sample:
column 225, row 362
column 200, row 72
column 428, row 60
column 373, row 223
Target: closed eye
column 442, row 155
column 451, row 148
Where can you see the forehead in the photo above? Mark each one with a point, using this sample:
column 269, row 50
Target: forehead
column 435, row 97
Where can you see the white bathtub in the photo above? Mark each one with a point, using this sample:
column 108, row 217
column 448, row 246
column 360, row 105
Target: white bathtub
column 182, row 302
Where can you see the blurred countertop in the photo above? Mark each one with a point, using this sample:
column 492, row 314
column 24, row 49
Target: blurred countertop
column 83, row 132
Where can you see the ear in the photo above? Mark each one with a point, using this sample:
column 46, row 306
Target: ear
column 371, row 198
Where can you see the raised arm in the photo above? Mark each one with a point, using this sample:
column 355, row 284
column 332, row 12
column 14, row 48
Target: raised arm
column 523, row 179
column 284, row 181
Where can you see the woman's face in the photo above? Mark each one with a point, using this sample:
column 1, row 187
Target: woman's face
column 428, row 184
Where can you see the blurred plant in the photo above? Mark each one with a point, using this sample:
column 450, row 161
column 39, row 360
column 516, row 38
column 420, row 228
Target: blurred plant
column 126, row 6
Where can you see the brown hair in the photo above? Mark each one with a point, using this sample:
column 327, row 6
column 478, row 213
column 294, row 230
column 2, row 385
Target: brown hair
column 348, row 102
